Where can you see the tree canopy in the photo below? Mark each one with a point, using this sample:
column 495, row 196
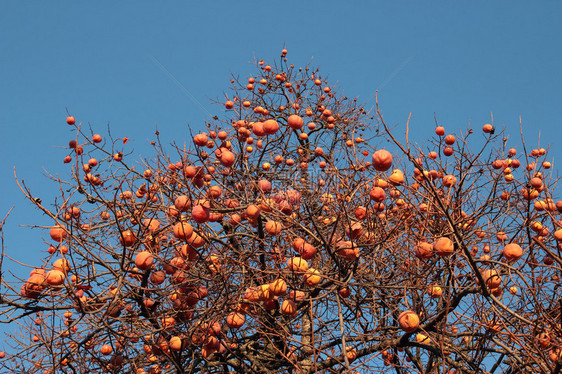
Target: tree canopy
column 298, row 233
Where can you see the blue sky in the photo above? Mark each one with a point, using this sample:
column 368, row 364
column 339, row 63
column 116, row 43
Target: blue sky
column 458, row 61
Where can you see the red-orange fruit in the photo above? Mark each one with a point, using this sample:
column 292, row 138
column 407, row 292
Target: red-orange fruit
column 57, row 233
column 270, row 126
column 55, row 278
column 443, row 247
column 158, row 277
column 127, row 238
column 449, row 180
column 151, row 224
column 512, row 252
column 36, row 282
column 106, row 349
column 423, row 250
column 487, row 128
column 409, row 321
column 289, row 308
column 251, row 294
column 348, row 250
column 200, row 139
column 264, row 185
column 273, row 227
column 360, row 212
column 200, row 214
column 144, row 260
column 227, row 158
column 312, row 277
column 382, row 160
column 396, row 177
column 307, row 251
column 297, row 264
column 344, row 292
column 252, row 211
column 214, row 192
column 62, row 264
column 182, row 203
column 434, row 291
column 295, row 122
column 492, row 278
column 257, row 128
column 351, row 354
column 196, row 241
column 176, row 343
column 235, row 320
column 183, row 230
column 278, row 287
column 377, row 194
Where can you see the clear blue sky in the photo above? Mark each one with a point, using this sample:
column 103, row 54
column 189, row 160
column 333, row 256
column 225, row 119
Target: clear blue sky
column 459, row 61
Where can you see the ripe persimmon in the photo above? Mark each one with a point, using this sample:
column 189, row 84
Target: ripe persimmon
column 144, row 260
column 235, row 320
column 382, row 160
column 443, row 247
column 106, row 349
column 58, row 233
column 289, row 308
column 270, row 126
column 55, row 277
column 295, row 122
column 512, row 252
column 409, row 321
column 227, row 158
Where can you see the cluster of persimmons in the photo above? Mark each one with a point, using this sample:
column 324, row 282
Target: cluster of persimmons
column 295, row 234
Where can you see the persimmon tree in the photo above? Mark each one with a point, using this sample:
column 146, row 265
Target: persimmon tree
column 297, row 233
